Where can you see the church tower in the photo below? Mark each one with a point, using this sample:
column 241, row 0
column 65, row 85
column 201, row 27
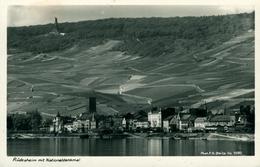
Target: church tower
column 92, row 105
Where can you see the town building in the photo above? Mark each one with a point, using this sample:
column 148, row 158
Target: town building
column 174, row 123
column 93, row 123
column 155, row 118
column 86, row 121
column 69, row 128
column 142, row 123
column 129, row 122
column 132, row 124
column 200, row 123
column 105, row 123
column 81, row 125
column 124, row 123
column 220, row 121
column 185, row 121
column 167, row 123
column 57, row 126
column 117, row 122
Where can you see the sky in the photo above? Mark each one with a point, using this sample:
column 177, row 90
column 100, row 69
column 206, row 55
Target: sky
column 34, row 15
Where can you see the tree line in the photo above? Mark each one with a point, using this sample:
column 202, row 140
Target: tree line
column 142, row 36
column 30, row 121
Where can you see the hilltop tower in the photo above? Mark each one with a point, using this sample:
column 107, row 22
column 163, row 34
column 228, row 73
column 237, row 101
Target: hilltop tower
column 56, row 25
column 55, row 29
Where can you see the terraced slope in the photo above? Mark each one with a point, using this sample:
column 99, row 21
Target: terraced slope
column 222, row 76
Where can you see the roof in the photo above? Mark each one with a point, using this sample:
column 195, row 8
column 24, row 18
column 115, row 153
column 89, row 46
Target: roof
column 220, row 118
column 185, row 117
column 142, row 119
column 174, row 120
column 154, row 112
column 85, row 116
column 200, row 119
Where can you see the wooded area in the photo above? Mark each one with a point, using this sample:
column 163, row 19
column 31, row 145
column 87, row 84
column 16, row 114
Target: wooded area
column 140, row 36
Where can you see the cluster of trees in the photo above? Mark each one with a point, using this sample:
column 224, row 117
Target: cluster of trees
column 29, row 121
column 142, row 36
column 249, row 112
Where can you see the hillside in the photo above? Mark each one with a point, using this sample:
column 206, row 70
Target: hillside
column 128, row 63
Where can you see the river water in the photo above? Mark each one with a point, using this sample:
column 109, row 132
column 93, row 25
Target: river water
column 126, row 147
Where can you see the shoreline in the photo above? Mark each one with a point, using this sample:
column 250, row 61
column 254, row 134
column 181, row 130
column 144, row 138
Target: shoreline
column 176, row 136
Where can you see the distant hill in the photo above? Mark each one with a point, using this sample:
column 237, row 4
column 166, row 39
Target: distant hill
column 141, row 36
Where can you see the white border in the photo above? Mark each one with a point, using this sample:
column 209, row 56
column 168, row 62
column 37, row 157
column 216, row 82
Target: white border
column 249, row 161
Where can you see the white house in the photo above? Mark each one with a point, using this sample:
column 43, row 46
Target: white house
column 142, row 124
column 155, row 119
column 200, row 123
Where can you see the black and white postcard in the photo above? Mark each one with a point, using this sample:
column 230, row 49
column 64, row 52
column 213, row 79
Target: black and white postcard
column 171, row 83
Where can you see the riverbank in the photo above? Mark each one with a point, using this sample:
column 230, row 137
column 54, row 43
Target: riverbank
column 199, row 136
column 173, row 136
column 231, row 136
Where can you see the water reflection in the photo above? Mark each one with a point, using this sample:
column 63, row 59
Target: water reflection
column 154, row 147
column 122, row 147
